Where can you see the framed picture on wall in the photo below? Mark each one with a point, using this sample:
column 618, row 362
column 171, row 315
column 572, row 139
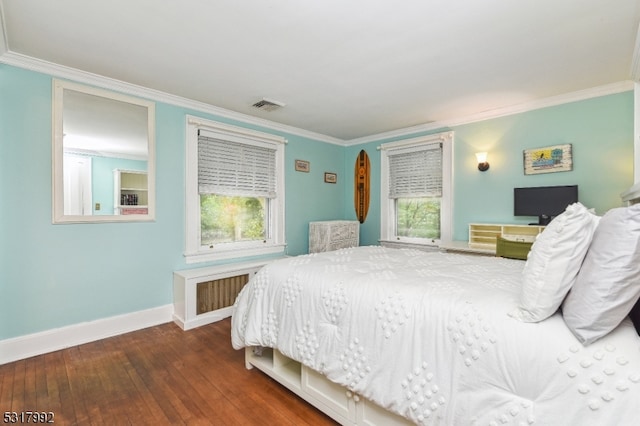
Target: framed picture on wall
column 302, row 166
column 549, row 159
column 330, row 177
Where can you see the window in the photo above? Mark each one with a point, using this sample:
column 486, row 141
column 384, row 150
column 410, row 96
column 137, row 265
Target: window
column 416, row 190
column 235, row 192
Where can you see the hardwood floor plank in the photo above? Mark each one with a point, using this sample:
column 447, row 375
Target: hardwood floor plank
column 152, row 412
column 157, row 376
column 17, row 401
column 100, row 383
column 6, row 385
column 75, row 379
column 41, row 392
column 53, row 400
column 30, row 384
column 55, row 364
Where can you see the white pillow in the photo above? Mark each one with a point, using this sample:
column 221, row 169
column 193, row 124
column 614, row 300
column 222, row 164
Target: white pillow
column 608, row 284
column 553, row 263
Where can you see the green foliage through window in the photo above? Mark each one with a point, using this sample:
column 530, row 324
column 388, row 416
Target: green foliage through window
column 418, row 217
column 225, row 219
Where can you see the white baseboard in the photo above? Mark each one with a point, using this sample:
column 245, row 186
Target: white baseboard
column 203, row 319
column 60, row 338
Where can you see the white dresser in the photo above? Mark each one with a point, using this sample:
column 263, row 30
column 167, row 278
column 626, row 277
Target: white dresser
column 333, row 235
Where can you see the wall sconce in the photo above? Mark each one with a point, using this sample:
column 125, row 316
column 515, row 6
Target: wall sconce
column 483, row 165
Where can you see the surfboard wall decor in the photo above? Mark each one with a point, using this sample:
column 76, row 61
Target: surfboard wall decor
column 362, row 185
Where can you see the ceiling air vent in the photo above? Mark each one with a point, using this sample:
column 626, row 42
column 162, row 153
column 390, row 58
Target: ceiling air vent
column 268, row 104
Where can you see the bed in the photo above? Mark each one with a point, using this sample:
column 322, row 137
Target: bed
column 375, row 335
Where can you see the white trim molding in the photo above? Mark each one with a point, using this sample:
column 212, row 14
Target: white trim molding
column 636, row 132
column 60, row 71
column 29, row 345
column 594, row 92
column 22, row 61
column 229, row 130
column 635, row 59
column 4, row 47
column 387, row 206
column 275, row 244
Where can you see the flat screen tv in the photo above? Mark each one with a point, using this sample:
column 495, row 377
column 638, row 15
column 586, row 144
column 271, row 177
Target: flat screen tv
column 546, row 202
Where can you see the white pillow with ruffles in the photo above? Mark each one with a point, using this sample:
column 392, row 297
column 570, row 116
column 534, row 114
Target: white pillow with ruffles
column 553, row 263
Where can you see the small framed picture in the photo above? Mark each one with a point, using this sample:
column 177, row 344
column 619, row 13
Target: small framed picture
column 330, row 177
column 302, row 166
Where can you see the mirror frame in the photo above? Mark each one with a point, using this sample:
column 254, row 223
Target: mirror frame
column 58, row 216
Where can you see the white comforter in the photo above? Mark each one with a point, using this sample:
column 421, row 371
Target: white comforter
column 428, row 336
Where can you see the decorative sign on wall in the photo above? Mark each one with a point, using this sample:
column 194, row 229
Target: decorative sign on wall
column 556, row 158
column 302, row 166
column 330, row 177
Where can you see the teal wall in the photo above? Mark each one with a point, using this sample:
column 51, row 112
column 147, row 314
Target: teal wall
column 57, row 275
column 599, row 129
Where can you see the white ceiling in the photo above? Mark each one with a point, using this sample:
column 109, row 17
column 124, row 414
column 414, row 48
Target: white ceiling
column 344, row 68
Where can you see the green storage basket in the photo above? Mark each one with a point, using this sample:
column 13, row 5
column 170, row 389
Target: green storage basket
column 512, row 249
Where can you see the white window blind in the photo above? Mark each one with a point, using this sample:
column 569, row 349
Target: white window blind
column 234, row 168
column 416, row 172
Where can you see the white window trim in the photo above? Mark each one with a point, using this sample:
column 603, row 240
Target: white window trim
column 194, row 252
column 387, row 210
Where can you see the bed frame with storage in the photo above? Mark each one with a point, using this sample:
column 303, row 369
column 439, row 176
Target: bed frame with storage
column 342, row 405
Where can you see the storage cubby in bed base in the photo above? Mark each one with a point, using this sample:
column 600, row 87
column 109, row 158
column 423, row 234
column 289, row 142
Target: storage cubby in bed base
column 285, row 370
column 342, row 405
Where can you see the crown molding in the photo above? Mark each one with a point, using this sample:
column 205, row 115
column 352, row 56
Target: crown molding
column 4, row 47
column 635, row 59
column 33, row 64
column 609, row 89
column 60, row 71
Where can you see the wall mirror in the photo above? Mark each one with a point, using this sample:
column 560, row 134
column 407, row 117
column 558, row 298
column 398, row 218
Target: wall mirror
column 103, row 155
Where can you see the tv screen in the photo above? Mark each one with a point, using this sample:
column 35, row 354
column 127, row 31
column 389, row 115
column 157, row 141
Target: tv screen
column 546, row 202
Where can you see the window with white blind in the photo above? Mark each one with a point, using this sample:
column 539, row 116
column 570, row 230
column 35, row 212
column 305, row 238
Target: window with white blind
column 235, row 192
column 416, row 190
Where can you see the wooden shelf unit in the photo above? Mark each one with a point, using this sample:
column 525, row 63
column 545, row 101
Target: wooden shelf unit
column 483, row 235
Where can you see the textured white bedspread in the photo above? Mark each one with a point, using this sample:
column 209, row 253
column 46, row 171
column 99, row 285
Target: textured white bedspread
column 427, row 335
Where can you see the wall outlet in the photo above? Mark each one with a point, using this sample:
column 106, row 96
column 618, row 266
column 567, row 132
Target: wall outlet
column 97, row 206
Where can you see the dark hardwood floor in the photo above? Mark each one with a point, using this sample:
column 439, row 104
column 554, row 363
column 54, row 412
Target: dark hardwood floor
column 159, row 375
